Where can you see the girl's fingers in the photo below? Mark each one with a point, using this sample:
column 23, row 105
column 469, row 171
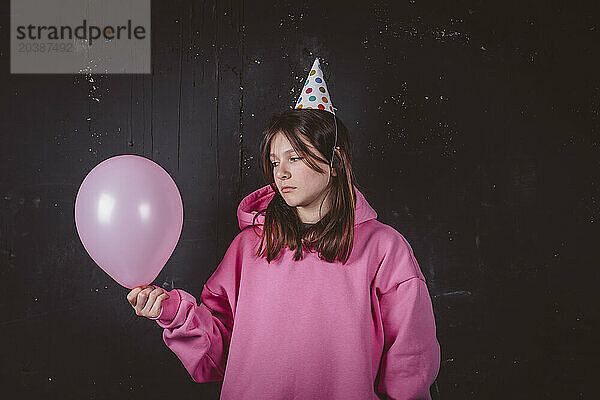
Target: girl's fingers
column 132, row 296
column 142, row 299
column 157, row 307
column 147, row 300
column 151, row 299
column 150, row 296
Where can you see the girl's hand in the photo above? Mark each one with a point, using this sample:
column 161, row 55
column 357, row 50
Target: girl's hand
column 147, row 300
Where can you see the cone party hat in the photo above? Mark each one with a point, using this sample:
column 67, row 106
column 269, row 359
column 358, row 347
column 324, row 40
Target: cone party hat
column 314, row 93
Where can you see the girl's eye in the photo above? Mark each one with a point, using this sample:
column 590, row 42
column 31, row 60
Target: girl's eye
column 291, row 158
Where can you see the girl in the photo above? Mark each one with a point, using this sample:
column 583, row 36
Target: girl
column 314, row 298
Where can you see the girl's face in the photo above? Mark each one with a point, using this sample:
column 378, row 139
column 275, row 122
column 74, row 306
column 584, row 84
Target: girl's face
column 309, row 185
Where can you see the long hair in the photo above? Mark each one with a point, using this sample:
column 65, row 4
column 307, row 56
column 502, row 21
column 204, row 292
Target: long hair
column 333, row 235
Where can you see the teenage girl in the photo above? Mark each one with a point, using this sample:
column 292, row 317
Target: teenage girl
column 314, row 298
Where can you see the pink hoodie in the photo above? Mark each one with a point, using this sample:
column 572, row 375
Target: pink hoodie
column 309, row 329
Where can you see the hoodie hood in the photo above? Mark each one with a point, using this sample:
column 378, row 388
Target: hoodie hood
column 260, row 199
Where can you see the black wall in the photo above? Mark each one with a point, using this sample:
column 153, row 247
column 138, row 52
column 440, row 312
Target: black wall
column 477, row 136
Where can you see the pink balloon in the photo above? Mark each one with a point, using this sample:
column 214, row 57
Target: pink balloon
column 129, row 215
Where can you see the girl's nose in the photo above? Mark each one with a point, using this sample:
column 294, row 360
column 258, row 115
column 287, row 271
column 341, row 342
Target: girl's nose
column 282, row 173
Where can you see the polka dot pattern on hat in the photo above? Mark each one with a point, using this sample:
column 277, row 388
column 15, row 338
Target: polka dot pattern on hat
column 315, row 83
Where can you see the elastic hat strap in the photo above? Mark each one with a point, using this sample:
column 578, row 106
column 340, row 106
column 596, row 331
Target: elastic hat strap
column 335, row 143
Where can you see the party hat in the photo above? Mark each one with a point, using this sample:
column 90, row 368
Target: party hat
column 314, row 93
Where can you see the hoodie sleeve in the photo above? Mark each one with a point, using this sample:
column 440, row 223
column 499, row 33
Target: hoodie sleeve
column 411, row 353
column 411, row 357
column 199, row 334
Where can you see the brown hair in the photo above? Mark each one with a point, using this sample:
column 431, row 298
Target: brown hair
column 333, row 234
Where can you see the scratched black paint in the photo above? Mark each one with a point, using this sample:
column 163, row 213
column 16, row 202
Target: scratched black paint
column 476, row 130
